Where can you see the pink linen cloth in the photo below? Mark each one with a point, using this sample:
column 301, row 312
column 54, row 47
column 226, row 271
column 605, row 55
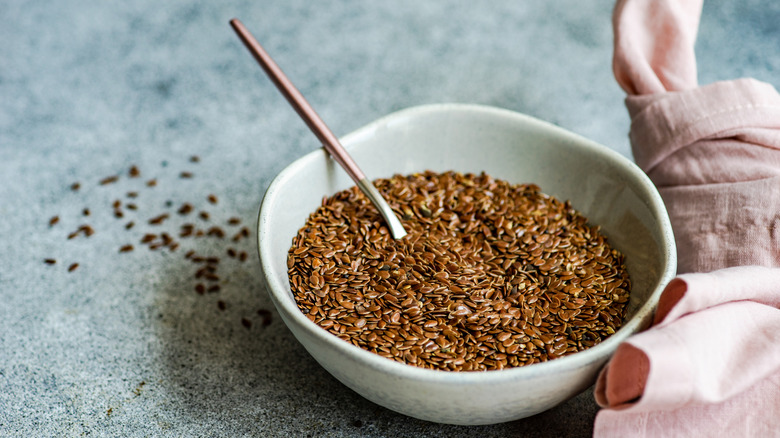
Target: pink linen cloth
column 710, row 364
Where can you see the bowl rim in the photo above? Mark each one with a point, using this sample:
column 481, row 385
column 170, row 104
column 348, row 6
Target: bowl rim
column 581, row 359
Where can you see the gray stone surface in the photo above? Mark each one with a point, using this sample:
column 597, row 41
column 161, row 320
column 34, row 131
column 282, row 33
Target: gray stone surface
column 123, row 345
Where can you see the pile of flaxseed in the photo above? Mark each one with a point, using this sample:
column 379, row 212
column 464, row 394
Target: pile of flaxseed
column 491, row 274
column 153, row 231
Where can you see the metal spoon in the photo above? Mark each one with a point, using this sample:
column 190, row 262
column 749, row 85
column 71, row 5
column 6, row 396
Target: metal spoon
column 319, row 128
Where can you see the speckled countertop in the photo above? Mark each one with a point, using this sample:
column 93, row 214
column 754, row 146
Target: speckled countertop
column 124, row 345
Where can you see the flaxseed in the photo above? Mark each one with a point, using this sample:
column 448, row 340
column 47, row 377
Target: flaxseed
column 491, row 275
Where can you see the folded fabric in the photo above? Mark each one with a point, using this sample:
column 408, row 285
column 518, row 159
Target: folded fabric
column 710, row 364
column 697, row 372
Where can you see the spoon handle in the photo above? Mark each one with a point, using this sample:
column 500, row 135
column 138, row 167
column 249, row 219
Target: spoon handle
column 298, row 102
column 320, row 129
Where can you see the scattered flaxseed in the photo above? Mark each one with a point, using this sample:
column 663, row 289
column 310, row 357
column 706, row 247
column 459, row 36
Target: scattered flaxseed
column 151, row 183
column 231, row 253
column 212, row 199
column 75, row 186
column 204, row 215
column 246, row 323
column 200, row 288
column 131, row 206
column 221, row 305
column 132, row 194
column 243, row 256
column 85, row 212
column 214, row 288
column 234, row 221
column 129, row 225
column 186, row 230
column 157, row 220
column 73, row 267
column 109, row 180
column 185, row 209
column 215, row 231
column 53, row 221
column 49, row 261
column 126, row 248
column 266, row 315
column 185, row 175
column 134, row 172
column 194, row 159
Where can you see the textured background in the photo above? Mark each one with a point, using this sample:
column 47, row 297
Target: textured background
column 124, row 346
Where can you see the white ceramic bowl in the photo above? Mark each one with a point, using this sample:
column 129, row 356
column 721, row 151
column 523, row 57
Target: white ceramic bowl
column 606, row 187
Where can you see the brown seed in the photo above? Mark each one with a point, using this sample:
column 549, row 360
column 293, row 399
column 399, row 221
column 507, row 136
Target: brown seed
column 215, row 231
column 212, row 199
column 132, row 194
column 194, row 159
column 185, row 175
column 221, row 305
column 185, row 209
column 75, row 186
column 157, row 220
column 49, row 261
column 151, row 183
column 126, row 248
column 204, row 215
column 85, row 212
column 246, row 323
column 200, row 288
column 129, row 225
column 53, row 221
column 73, row 267
column 234, row 221
column 109, row 180
column 134, row 172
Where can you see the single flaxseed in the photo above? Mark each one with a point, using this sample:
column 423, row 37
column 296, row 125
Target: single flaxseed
column 126, row 248
column 109, row 180
column 185, row 209
column 157, row 220
column 49, row 261
column 73, row 267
